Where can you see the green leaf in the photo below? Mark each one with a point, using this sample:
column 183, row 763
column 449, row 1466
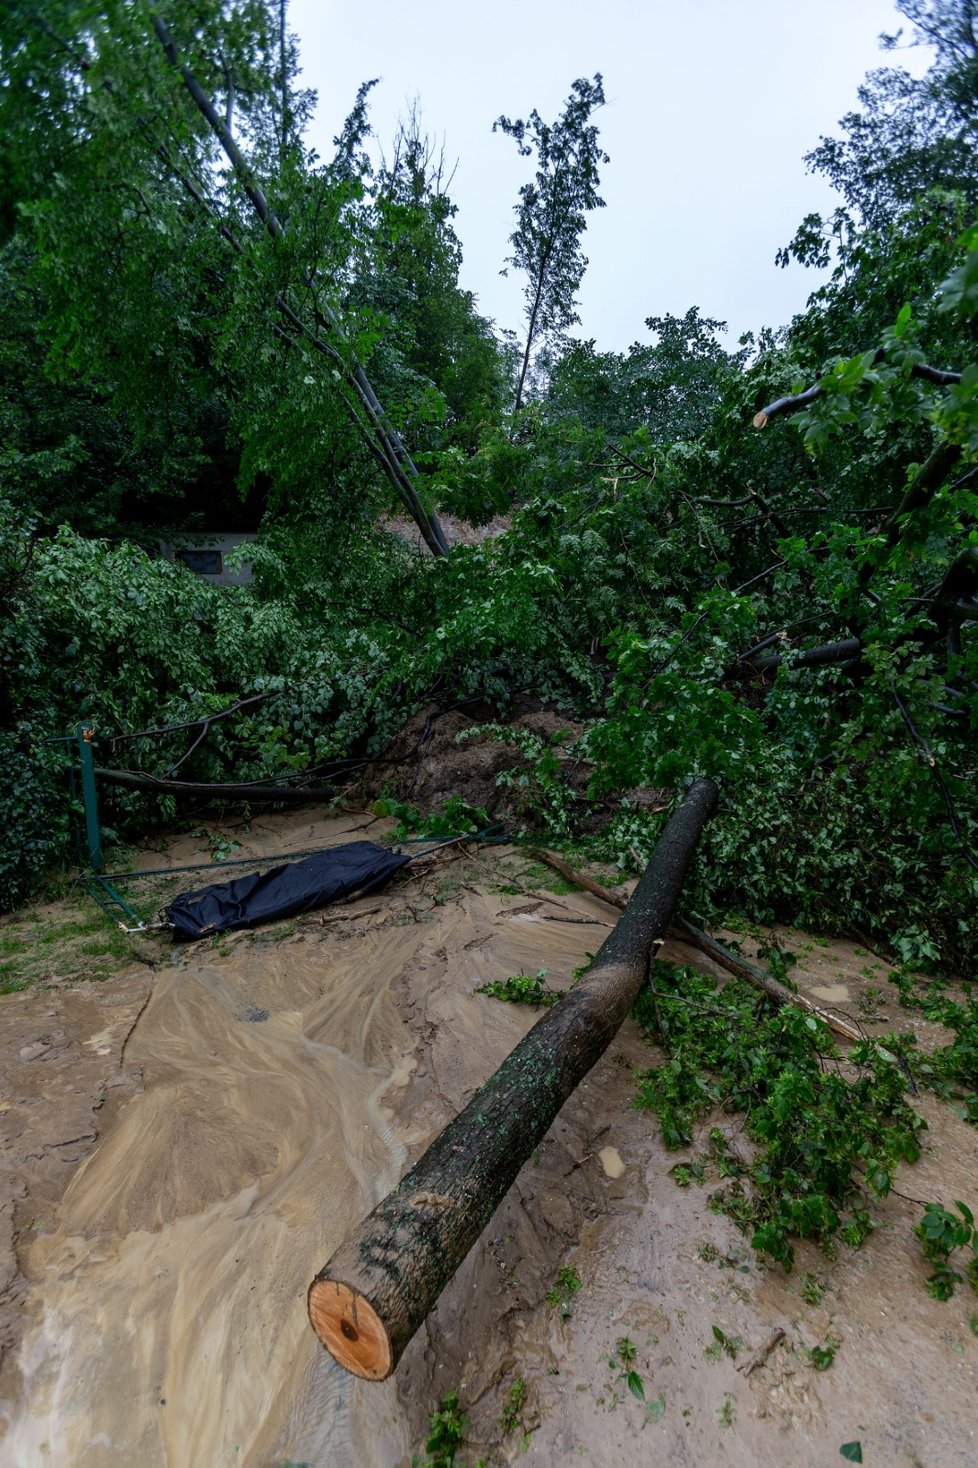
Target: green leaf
column 656, row 1409
column 636, row 1385
column 852, row 1452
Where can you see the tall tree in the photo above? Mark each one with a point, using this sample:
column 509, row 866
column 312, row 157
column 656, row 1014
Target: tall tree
column 910, row 134
column 188, row 185
column 442, row 342
column 551, row 214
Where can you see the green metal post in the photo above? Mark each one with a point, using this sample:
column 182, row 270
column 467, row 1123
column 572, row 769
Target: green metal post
column 89, row 798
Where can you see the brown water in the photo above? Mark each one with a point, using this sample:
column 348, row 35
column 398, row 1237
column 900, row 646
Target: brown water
column 283, row 1083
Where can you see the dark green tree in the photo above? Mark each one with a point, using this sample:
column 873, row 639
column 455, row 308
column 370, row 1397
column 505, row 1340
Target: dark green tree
column 910, row 135
column 432, row 326
column 163, row 249
column 551, row 214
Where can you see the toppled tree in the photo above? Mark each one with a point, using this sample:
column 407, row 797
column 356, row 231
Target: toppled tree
column 376, row 1290
column 186, row 256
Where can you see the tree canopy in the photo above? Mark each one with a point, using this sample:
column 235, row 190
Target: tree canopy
column 203, row 322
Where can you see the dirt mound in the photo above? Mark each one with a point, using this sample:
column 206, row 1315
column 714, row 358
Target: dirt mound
column 457, row 532
column 428, row 764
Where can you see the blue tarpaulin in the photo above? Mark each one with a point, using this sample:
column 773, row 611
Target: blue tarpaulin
column 294, row 887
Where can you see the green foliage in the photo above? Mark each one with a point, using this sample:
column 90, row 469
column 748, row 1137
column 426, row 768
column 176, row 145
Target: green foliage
column 456, row 818
column 822, row 1143
column 723, row 1344
column 567, row 1285
column 446, row 1435
column 522, row 989
column 551, row 214
column 942, row 1234
column 657, row 537
column 823, row 1355
column 727, row 1412
column 950, row 1071
column 512, row 1412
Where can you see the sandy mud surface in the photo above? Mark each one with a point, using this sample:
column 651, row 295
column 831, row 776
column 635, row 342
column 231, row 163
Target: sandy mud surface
column 186, row 1144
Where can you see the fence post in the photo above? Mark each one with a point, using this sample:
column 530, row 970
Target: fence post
column 89, row 798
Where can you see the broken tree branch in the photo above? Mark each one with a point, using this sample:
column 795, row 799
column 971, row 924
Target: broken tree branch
column 379, row 1286
column 781, row 407
column 382, row 437
column 684, row 932
column 579, row 879
column 681, row 931
column 205, row 719
column 813, row 657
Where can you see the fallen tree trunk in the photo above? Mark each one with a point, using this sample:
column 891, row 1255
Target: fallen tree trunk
column 138, row 780
column 812, row 657
column 374, row 1293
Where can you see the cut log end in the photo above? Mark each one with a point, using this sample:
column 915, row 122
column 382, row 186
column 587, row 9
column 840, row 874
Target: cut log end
column 760, row 420
column 350, row 1329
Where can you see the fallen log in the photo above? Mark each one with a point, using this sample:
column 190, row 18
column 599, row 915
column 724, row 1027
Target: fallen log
column 844, row 651
column 376, row 1290
column 579, row 879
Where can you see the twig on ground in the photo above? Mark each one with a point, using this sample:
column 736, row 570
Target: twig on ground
column 760, row 1359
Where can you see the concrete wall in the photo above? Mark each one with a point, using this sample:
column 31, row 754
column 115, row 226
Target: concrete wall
column 205, row 556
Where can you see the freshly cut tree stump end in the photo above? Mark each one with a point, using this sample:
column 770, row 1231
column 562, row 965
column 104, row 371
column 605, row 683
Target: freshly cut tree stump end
column 350, row 1329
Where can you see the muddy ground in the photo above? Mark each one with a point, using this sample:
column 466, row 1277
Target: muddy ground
column 188, row 1139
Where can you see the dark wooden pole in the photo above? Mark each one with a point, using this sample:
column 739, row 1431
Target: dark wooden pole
column 373, row 1294
column 139, row 780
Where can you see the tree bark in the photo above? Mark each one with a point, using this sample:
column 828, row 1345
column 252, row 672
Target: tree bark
column 843, row 651
column 376, row 1290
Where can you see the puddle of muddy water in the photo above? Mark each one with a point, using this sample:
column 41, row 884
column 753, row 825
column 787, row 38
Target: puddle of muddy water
column 283, row 1089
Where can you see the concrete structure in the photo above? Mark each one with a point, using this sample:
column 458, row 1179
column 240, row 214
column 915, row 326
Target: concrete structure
column 206, row 555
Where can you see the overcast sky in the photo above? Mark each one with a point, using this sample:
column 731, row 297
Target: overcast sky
column 711, row 105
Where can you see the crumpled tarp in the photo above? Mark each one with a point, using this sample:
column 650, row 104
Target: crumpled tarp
column 283, row 891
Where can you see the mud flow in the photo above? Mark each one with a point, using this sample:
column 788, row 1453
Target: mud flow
column 188, row 1141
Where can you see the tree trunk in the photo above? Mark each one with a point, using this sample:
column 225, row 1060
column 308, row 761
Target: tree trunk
column 382, row 438
column 374, row 1293
column 844, row 651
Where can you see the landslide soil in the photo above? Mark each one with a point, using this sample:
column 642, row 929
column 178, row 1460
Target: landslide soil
column 187, row 1141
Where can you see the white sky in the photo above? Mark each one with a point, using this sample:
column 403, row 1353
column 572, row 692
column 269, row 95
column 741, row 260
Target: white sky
column 711, row 106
